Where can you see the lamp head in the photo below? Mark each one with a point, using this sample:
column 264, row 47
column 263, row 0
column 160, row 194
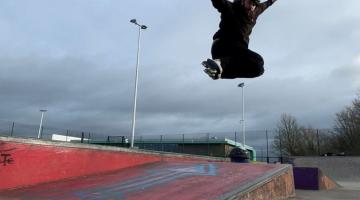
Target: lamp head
column 133, row 21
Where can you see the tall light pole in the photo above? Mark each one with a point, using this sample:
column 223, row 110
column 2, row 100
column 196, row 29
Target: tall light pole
column 242, row 85
column 41, row 122
column 141, row 27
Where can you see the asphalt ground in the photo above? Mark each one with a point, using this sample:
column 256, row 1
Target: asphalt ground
column 347, row 191
column 344, row 170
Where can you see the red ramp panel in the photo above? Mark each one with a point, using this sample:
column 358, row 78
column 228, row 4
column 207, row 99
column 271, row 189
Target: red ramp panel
column 185, row 180
column 30, row 162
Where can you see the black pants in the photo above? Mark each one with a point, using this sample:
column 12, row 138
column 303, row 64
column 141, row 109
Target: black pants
column 237, row 60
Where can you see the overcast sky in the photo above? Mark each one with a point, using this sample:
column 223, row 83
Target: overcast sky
column 77, row 59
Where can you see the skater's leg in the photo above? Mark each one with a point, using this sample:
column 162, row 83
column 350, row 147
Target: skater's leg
column 237, row 61
column 222, row 49
column 213, row 67
column 247, row 64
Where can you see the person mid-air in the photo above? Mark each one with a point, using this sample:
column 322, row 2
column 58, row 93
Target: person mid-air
column 231, row 56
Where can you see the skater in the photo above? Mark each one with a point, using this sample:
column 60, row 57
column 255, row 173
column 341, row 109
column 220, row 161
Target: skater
column 231, row 57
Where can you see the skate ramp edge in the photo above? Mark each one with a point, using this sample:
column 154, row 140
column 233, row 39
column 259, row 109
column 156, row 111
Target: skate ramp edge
column 312, row 178
column 278, row 184
column 27, row 162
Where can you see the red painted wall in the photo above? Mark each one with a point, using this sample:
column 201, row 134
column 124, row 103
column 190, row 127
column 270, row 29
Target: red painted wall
column 30, row 164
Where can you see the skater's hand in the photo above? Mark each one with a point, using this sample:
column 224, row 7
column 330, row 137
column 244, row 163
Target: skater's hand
column 263, row 6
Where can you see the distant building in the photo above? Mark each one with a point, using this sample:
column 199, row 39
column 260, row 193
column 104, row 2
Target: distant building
column 199, row 146
column 217, row 147
column 65, row 138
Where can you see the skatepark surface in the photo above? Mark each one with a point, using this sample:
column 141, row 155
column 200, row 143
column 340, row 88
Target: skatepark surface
column 162, row 180
column 344, row 170
column 35, row 169
column 348, row 191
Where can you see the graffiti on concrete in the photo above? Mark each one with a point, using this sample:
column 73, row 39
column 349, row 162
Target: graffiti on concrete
column 6, row 159
column 5, row 155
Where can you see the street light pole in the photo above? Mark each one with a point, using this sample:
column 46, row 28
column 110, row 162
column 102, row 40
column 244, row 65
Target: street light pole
column 141, row 27
column 242, row 85
column 41, row 122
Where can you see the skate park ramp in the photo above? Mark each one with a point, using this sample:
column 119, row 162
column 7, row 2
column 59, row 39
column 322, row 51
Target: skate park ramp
column 344, row 170
column 35, row 169
column 312, row 178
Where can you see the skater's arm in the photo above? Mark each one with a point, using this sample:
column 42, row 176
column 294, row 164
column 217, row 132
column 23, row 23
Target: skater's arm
column 263, row 6
column 221, row 5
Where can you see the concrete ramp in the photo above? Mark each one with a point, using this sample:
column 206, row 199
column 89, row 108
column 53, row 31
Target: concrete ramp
column 311, row 178
column 339, row 168
column 158, row 177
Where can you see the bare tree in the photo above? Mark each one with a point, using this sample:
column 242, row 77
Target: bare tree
column 288, row 136
column 347, row 129
column 309, row 141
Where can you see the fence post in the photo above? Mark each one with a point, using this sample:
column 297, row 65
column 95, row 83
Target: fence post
column 82, row 137
column 281, row 156
column 267, row 147
column 318, row 141
column 235, row 139
column 67, row 134
column 89, row 138
column 183, row 143
column 142, row 143
column 161, row 143
column 208, row 144
column 12, row 129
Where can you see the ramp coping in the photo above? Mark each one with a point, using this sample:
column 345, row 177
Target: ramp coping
column 251, row 185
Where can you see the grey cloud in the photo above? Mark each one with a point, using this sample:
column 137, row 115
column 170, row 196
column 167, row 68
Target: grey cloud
column 80, row 65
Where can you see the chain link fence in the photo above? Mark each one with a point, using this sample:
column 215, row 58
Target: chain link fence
column 217, row 144
column 21, row 130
